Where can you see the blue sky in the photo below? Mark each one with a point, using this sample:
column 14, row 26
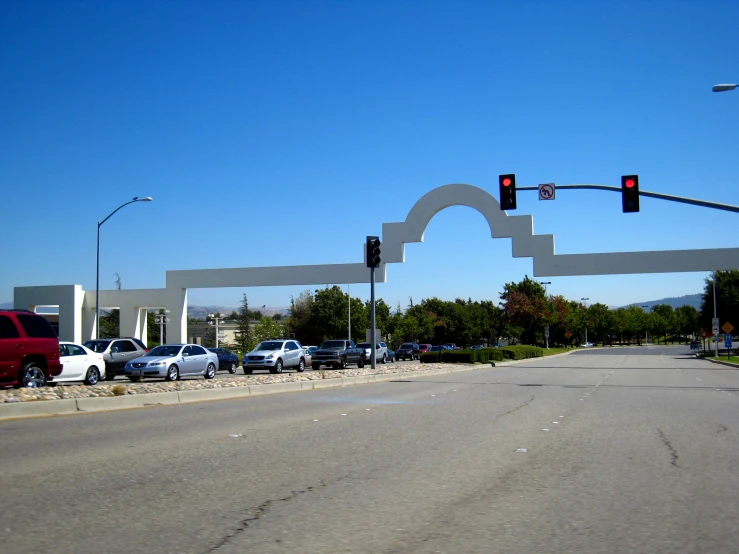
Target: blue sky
column 282, row 133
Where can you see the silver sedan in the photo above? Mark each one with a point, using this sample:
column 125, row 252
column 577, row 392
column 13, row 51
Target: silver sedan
column 173, row 361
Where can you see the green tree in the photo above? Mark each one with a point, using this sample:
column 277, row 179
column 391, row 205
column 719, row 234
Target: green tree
column 268, row 328
column 727, row 298
column 526, row 307
column 244, row 337
column 688, row 320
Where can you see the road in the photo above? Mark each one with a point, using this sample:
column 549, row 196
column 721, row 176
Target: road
column 602, row 451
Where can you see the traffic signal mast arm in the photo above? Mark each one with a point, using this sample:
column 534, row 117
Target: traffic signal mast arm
column 670, row 197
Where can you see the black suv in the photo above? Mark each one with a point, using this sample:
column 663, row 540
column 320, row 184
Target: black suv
column 408, row 350
column 29, row 349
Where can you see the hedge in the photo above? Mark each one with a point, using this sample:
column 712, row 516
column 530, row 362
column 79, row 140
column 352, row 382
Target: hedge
column 463, row 356
column 521, row 352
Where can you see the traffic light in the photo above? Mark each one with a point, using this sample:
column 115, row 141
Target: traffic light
column 507, row 186
column 373, row 251
column 630, row 193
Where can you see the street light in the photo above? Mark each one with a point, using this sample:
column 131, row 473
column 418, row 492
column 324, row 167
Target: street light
column 546, row 328
column 723, row 88
column 217, row 319
column 646, row 331
column 162, row 319
column 586, row 324
column 97, row 264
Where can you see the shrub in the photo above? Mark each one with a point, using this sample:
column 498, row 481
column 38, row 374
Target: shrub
column 522, row 352
column 463, row 356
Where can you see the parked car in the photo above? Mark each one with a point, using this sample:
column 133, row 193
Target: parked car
column 443, row 348
column 452, row 346
column 117, row 353
column 381, row 352
column 477, row 347
column 79, row 363
column 695, row 344
column 424, row 348
column 409, row 350
column 173, row 361
column 226, row 359
column 309, row 354
column 391, row 355
column 29, row 349
column 586, row 345
column 274, row 355
column 338, row 353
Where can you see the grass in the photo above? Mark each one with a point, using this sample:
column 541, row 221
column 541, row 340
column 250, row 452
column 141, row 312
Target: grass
column 553, row 351
column 721, row 357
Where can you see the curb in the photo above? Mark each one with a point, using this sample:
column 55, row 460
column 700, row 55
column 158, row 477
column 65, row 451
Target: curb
column 43, row 408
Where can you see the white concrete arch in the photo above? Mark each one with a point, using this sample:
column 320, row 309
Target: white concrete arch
column 520, row 228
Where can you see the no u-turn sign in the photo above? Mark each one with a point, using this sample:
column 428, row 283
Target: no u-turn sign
column 546, row 191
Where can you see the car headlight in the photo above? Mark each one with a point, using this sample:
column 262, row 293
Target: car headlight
column 156, row 363
column 269, row 356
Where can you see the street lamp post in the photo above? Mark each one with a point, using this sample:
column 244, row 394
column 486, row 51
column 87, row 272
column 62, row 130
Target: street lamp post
column 586, row 323
column 546, row 329
column 97, row 263
column 715, row 317
column 162, row 319
column 217, row 319
column 646, row 331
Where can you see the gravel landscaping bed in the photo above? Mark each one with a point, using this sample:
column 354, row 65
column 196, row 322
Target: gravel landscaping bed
column 120, row 388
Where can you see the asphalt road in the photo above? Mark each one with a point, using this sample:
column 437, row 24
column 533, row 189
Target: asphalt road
column 602, row 451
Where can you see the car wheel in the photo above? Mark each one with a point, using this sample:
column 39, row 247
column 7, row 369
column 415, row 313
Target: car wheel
column 173, row 373
column 384, row 358
column 316, row 367
column 342, row 365
column 32, row 376
column 301, row 366
column 109, row 375
column 248, row 371
column 135, row 379
column 232, row 368
column 93, row 376
column 277, row 368
column 360, row 363
column 210, row 371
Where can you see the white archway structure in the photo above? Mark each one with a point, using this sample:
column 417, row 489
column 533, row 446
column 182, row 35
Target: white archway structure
column 77, row 307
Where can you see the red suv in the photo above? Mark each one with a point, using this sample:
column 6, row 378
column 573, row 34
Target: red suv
column 29, row 349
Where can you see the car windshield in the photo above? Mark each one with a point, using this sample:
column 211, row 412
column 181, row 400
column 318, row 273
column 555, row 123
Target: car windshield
column 270, row 345
column 97, row 345
column 333, row 344
column 165, row 350
column 407, row 345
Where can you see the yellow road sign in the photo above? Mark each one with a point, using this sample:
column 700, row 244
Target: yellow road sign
column 727, row 327
column 568, row 334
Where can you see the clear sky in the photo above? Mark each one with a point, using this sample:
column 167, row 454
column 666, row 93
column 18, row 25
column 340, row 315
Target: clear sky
column 282, row 133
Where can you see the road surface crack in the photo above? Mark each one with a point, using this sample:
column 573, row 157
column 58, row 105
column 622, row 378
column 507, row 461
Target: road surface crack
column 262, row 509
column 669, row 446
column 529, row 401
column 723, row 428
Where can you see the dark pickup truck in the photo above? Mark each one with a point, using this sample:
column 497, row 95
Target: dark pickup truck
column 337, row 354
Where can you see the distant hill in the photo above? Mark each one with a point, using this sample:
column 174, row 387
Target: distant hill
column 201, row 312
column 689, row 300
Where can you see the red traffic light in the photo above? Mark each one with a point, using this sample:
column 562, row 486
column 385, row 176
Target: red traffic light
column 506, row 182
column 630, row 183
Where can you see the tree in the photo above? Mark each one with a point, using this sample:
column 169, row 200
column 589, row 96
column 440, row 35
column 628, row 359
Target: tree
column 688, row 320
column 526, row 307
column 268, row 328
column 727, row 298
column 244, row 337
column 329, row 312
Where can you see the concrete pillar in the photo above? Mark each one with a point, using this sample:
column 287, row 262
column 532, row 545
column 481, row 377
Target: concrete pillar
column 177, row 329
column 130, row 320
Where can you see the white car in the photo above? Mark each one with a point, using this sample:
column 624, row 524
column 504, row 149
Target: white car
column 586, row 345
column 79, row 363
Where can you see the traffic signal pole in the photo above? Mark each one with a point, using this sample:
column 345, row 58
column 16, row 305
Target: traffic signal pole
column 373, row 350
column 670, row 197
